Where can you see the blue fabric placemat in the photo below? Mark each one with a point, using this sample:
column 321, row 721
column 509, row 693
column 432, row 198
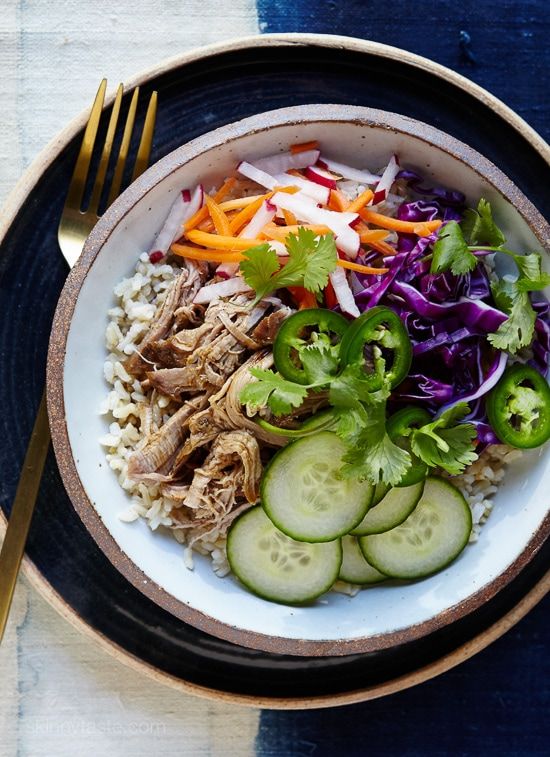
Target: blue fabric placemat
column 497, row 703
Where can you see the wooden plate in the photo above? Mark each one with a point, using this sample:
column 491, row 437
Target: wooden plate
column 198, row 92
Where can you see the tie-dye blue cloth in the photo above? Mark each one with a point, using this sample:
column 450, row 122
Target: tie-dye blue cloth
column 498, row 702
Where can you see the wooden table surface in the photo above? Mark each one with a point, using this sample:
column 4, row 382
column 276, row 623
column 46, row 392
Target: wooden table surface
column 62, row 695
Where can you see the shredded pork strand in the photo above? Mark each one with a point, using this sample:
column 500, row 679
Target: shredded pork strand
column 205, row 454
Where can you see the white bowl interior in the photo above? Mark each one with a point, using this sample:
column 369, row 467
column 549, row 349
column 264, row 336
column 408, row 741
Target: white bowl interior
column 521, row 502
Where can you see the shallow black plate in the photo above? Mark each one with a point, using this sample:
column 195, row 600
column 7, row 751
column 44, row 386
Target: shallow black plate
column 194, row 98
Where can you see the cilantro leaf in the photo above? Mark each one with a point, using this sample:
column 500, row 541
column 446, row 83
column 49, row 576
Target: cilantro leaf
column 323, row 252
column 260, row 265
column 517, row 331
column 273, row 390
column 451, row 251
column 349, row 389
column 361, row 424
column 310, row 260
column 446, row 442
column 512, row 297
column 320, row 360
column 376, row 458
column 531, row 276
column 479, row 227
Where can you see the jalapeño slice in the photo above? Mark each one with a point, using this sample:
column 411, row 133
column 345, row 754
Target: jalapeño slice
column 518, row 408
column 400, row 427
column 379, row 341
column 300, row 330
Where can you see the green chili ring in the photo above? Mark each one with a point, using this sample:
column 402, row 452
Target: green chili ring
column 296, row 331
column 378, row 332
column 518, row 408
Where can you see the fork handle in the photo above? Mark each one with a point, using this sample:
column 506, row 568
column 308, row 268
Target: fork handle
column 22, row 510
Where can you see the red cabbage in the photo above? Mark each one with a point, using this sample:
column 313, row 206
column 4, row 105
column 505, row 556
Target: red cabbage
column 422, row 387
column 473, row 313
column 445, row 196
column 486, row 381
column 420, row 210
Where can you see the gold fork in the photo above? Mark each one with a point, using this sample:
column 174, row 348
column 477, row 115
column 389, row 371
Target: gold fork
column 74, row 228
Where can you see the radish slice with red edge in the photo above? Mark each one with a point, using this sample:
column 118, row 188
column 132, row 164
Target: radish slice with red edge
column 386, row 182
column 347, row 239
column 274, row 164
column 256, row 174
column 343, row 292
column 322, row 177
column 312, row 189
column 227, row 270
column 184, row 206
column 348, row 172
column 226, row 288
column 264, row 214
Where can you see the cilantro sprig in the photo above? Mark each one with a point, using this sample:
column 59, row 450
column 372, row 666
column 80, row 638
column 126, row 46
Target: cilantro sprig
column 360, row 418
column 446, row 442
column 453, row 251
column 310, row 261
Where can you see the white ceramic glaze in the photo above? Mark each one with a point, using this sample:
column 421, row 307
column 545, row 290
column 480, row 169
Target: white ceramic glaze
column 521, row 503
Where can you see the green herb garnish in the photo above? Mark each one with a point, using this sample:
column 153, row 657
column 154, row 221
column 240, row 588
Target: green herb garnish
column 310, row 260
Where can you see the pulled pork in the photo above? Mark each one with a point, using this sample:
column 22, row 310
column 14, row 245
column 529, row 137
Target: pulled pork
column 206, row 455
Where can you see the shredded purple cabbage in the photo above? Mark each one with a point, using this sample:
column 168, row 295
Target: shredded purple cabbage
column 447, row 317
column 445, row 196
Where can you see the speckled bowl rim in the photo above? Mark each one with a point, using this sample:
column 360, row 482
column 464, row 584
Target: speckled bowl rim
column 291, row 116
column 15, row 202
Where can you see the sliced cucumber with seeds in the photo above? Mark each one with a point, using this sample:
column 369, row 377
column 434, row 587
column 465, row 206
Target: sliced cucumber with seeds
column 276, row 567
column 396, row 506
column 433, row 535
column 302, row 493
column 355, row 569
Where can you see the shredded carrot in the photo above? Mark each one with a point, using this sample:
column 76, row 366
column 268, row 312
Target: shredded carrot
column 202, row 213
column 383, row 248
column 337, row 201
column 303, row 297
column 246, row 213
column 219, row 242
column 290, row 218
column 272, row 231
column 304, row 146
column 239, row 203
column 360, row 201
column 218, row 256
column 409, row 227
column 372, row 235
column 211, row 256
column 360, row 268
column 225, row 188
column 219, row 219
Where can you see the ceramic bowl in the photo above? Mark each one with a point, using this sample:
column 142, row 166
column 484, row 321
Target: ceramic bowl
column 381, row 616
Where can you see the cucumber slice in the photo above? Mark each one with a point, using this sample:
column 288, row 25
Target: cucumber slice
column 396, row 506
column 276, row 567
column 434, row 534
column 355, row 569
column 303, row 496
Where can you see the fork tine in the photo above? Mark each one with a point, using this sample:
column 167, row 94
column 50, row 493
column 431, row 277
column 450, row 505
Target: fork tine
column 106, row 152
column 146, row 141
column 80, row 173
column 124, row 148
